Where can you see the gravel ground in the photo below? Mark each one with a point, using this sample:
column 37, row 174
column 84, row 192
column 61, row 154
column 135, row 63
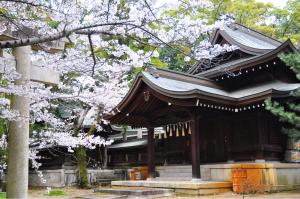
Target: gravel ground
column 73, row 193
column 229, row 195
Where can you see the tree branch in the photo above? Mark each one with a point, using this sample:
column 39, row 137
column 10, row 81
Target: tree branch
column 37, row 40
column 149, row 7
column 32, row 4
column 92, row 54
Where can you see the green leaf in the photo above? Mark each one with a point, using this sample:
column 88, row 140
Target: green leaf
column 4, row 82
column 101, row 53
column 157, row 62
column 53, row 24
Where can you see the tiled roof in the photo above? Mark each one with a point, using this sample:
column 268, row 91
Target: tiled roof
column 249, row 37
column 176, row 86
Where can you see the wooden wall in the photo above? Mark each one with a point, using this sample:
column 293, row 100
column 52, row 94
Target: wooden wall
column 244, row 136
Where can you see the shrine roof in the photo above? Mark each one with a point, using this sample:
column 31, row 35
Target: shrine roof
column 248, row 37
column 180, row 87
column 167, row 89
column 249, row 61
column 253, row 45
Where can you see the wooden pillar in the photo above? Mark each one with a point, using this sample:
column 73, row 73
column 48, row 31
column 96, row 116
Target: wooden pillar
column 151, row 153
column 105, row 157
column 195, row 147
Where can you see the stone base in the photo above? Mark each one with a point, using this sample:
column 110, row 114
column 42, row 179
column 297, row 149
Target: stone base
column 184, row 187
column 62, row 177
column 137, row 192
column 202, row 191
column 273, row 176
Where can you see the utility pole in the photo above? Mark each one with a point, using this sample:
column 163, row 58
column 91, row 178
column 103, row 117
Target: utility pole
column 18, row 136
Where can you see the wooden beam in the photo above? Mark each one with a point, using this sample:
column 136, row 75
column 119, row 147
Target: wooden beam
column 169, row 110
column 38, row 71
column 151, row 153
column 195, row 147
column 157, row 122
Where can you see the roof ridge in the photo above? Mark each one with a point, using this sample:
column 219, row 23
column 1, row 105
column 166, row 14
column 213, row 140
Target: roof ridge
column 275, row 51
column 183, row 73
column 183, row 77
column 226, row 34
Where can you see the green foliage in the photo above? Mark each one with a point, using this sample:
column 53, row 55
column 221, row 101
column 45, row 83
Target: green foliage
column 248, row 12
column 132, row 74
column 174, row 58
column 158, row 63
column 4, row 82
column 56, row 193
column 52, row 23
column 2, row 126
column 3, row 11
column 289, row 112
column 292, row 60
column 281, row 23
column 2, row 195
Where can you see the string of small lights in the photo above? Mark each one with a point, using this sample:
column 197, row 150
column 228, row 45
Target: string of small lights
column 243, row 71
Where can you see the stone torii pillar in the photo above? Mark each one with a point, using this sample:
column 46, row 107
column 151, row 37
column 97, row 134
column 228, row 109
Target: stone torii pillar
column 18, row 136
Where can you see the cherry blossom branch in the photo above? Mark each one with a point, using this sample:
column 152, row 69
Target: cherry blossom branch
column 27, row 3
column 65, row 33
column 149, row 7
column 92, row 54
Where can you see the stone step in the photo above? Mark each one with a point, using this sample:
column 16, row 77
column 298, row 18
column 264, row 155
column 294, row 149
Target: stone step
column 100, row 197
column 136, row 191
column 174, row 167
column 173, row 179
column 104, row 181
column 175, row 171
column 175, row 174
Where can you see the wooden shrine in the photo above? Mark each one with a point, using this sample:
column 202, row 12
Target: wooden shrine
column 215, row 112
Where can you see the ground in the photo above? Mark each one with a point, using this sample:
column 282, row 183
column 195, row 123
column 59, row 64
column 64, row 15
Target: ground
column 74, row 193
column 231, row 195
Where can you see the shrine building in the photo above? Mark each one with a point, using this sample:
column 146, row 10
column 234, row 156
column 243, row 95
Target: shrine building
column 215, row 112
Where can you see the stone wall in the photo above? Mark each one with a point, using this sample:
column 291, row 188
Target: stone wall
column 63, row 177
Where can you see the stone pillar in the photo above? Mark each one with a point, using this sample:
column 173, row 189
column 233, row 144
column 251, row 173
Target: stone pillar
column 151, row 153
column 195, row 147
column 18, row 136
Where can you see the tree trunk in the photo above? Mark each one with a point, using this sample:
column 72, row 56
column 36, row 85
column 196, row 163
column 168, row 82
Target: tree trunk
column 18, row 136
column 82, row 167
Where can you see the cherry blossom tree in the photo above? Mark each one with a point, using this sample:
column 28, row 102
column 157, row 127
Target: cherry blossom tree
column 104, row 40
